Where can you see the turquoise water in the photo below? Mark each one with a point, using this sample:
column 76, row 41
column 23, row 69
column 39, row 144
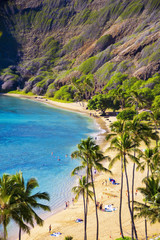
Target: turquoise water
column 33, row 136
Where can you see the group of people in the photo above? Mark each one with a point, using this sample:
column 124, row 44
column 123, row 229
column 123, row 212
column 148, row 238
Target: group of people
column 67, row 203
column 99, row 205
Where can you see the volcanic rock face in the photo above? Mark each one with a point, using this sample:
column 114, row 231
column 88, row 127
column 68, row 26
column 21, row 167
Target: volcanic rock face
column 47, row 41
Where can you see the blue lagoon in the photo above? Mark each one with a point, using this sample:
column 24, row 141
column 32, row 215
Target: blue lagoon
column 38, row 140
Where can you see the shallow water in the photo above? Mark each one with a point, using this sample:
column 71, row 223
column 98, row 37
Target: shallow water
column 33, row 136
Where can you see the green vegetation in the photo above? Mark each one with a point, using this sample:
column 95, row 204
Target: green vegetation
column 87, row 66
column 91, row 158
column 104, row 72
column 74, row 44
column 126, row 114
column 103, row 42
column 125, row 238
column 126, row 137
column 21, row 92
column 154, row 5
column 68, row 238
column 134, row 8
column 18, row 202
column 102, row 102
column 65, row 93
column 49, row 47
column 115, row 81
column 81, row 17
column 65, row 38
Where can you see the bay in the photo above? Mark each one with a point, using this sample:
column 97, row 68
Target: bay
column 38, row 140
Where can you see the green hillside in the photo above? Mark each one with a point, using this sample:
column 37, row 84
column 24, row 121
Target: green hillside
column 86, row 45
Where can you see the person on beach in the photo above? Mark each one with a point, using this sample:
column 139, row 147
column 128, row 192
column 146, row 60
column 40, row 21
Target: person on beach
column 50, row 228
column 73, row 201
column 101, row 206
column 66, row 204
column 97, row 204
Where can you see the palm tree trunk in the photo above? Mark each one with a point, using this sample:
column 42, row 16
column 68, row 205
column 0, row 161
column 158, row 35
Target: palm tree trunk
column 130, row 210
column 95, row 202
column 20, row 233
column 86, row 208
column 84, row 205
column 5, row 231
column 120, row 204
column 133, row 175
column 145, row 220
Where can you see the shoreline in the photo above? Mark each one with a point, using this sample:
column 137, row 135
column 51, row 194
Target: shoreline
column 103, row 126
column 64, row 220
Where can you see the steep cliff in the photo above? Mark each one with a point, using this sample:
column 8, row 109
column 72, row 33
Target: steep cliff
column 46, row 44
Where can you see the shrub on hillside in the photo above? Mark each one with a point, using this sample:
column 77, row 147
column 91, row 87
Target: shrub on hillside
column 65, row 93
column 115, row 81
column 126, row 114
column 156, row 102
column 104, row 42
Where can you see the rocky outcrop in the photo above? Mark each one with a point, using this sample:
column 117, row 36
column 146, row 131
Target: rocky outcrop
column 148, row 71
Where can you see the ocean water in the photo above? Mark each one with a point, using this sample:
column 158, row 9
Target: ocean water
column 38, row 140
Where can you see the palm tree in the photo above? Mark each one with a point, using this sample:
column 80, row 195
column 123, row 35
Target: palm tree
column 8, row 204
column 124, row 145
column 95, row 162
column 118, row 128
column 155, row 119
column 91, row 157
column 84, row 152
column 119, row 95
column 150, row 159
column 83, row 189
column 151, row 193
column 136, row 99
column 27, row 202
column 140, row 132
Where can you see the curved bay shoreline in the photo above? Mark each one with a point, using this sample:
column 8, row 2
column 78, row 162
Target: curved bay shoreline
column 64, row 221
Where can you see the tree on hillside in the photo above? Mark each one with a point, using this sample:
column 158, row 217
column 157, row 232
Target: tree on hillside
column 127, row 114
column 156, row 102
column 136, row 99
column 118, row 96
column 101, row 102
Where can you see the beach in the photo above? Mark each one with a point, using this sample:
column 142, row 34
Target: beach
column 64, row 221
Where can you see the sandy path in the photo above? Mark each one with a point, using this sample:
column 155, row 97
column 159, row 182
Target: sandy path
column 64, row 221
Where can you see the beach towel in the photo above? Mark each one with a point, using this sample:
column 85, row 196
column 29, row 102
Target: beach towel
column 56, row 234
column 113, row 181
column 79, row 220
column 109, row 208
